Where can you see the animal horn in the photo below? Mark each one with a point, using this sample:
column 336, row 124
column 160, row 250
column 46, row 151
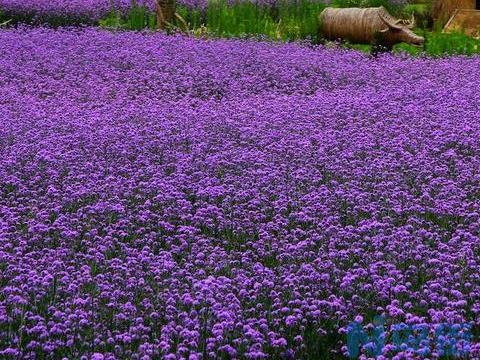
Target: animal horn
column 412, row 22
column 390, row 23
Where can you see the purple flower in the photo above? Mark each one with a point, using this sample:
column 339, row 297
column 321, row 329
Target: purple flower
column 167, row 195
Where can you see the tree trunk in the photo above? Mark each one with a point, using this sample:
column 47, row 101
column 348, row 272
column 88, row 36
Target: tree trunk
column 165, row 13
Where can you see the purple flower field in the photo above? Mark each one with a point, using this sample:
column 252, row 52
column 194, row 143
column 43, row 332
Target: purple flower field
column 92, row 10
column 172, row 198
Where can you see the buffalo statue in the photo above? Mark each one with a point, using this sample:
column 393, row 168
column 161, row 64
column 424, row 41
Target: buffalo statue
column 367, row 26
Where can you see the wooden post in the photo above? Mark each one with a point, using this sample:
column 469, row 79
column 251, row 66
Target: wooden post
column 165, row 13
column 443, row 9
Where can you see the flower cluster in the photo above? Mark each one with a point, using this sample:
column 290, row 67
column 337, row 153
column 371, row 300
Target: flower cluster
column 86, row 10
column 167, row 197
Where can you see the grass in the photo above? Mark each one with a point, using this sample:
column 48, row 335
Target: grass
column 439, row 44
column 139, row 18
column 287, row 21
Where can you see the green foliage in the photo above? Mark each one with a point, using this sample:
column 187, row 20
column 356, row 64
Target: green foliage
column 138, row 18
column 3, row 21
column 452, row 44
column 285, row 21
column 439, row 44
column 113, row 21
column 423, row 15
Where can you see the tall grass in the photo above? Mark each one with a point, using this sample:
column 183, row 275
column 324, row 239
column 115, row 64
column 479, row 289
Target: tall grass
column 284, row 21
column 138, row 18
